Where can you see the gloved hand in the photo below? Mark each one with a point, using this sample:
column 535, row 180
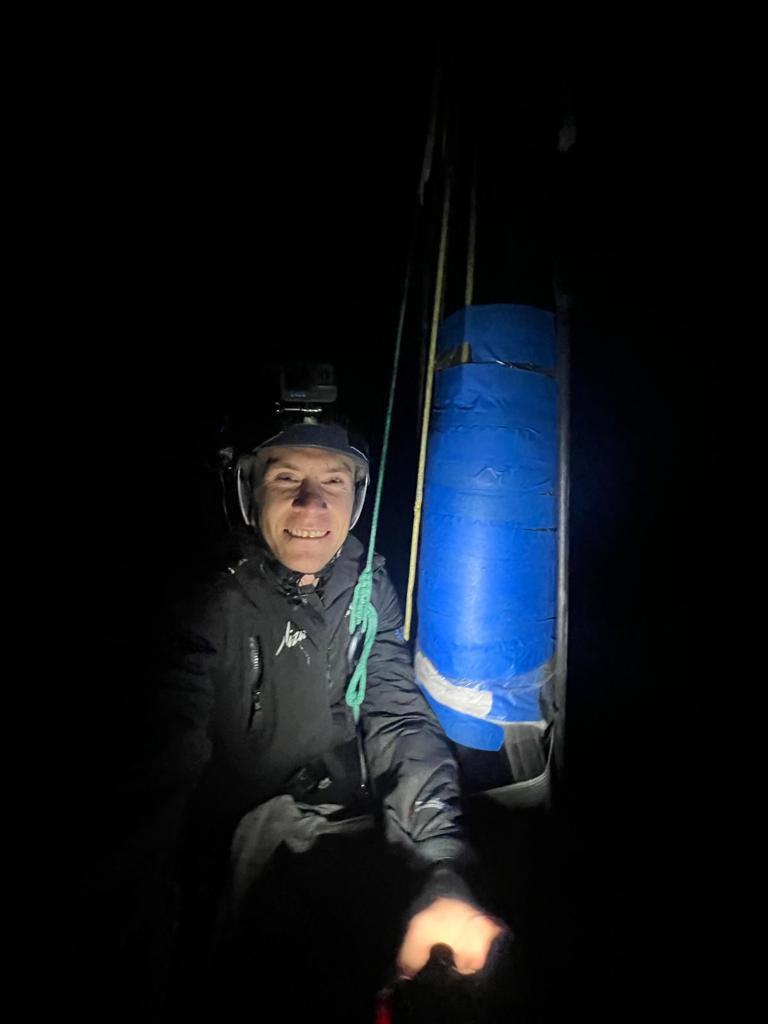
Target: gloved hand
column 446, row 915
column 462, row 926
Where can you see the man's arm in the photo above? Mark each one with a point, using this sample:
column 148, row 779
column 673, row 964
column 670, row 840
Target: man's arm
column 413, row 771
column 416, row 778
column 166, row 718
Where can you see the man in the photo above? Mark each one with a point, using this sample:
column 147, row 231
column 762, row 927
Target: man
column 258, row 694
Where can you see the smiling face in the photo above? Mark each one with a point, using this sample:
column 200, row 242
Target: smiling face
column 305, row 505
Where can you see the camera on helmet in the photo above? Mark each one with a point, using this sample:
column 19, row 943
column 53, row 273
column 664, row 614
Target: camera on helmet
column 307, row 391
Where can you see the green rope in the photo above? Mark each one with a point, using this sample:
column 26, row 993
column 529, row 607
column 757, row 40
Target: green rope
column 362, row 613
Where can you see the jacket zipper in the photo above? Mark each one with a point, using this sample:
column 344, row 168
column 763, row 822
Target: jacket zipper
column 254, row 656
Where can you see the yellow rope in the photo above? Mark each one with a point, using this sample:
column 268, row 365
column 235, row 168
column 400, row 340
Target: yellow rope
column 436, row 310
column 470, row 286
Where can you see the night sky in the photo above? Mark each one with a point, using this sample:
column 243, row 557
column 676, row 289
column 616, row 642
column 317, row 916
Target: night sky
column 239, row 205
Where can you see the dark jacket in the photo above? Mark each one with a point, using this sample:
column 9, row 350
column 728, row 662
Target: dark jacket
column 255, row 700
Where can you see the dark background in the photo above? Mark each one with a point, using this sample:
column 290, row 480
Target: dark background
column 233, row 202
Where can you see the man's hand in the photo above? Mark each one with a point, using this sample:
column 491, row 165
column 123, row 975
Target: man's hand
column 451, row 922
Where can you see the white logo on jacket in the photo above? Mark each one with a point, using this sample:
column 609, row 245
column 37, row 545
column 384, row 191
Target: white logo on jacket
column 291, row 638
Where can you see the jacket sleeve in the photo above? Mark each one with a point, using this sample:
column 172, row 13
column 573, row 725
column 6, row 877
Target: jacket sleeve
column 170, row 726
column 183, row 698
column 412, row 769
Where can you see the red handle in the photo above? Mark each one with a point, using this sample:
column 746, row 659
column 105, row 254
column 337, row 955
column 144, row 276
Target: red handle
column 383, row 1013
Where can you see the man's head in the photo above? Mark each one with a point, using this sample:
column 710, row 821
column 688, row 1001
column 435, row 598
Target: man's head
column 304, row 489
